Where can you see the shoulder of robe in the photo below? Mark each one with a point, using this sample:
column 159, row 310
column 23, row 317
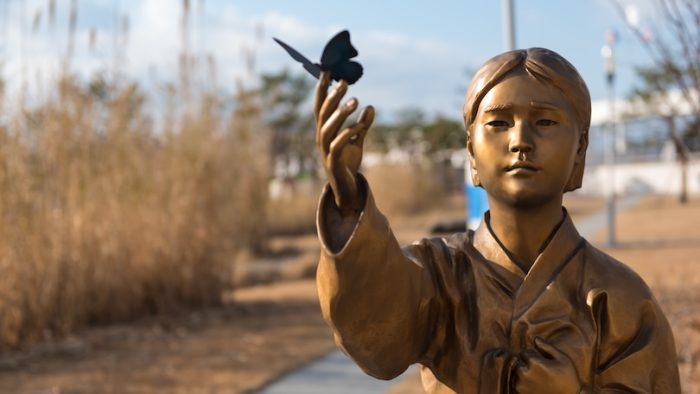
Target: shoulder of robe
column 604, row 274
column 459, row 241
column 445, row 247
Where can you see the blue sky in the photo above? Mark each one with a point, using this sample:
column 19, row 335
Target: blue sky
column 415, row 53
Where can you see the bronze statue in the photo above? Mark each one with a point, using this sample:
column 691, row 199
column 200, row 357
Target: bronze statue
column 521, row 305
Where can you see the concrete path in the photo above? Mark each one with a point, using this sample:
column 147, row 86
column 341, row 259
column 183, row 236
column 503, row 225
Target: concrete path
column 332, row 374
column 590, row 225
column 337, row 374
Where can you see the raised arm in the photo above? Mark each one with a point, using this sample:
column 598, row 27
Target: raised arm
column 378, row 302
column 341, row 154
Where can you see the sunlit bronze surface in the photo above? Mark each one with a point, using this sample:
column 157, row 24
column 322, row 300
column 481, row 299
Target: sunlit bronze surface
column 521, row 305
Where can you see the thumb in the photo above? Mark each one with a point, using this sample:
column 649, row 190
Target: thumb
column 547, row 349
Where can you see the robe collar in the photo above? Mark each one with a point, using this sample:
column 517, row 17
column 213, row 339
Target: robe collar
column 562, row 247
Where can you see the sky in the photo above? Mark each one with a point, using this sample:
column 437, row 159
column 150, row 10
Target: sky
column 416, row 54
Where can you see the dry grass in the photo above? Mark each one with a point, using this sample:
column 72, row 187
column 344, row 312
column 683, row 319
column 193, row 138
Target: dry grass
column 293, row 210
column 405, row 189
column 660, row 239
column 267, row 331
column 104, row 217
column 400, row 190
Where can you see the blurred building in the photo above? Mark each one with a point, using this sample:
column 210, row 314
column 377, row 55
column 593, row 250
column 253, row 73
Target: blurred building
column 647, row 158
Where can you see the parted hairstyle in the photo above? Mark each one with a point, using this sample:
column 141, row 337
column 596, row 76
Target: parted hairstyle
column 546, row 66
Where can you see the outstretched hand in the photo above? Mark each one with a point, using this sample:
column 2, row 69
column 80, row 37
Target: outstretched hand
column 341, row 150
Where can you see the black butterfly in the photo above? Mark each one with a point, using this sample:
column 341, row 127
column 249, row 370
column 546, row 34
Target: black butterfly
column 335, row 58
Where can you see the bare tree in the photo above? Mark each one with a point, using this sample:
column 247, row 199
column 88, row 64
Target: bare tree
column 656, row 97
column 673, row 43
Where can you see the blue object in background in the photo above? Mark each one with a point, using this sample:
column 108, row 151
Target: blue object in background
column 477, row 202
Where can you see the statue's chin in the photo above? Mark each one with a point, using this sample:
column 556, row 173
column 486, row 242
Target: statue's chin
column 524, row 191
column 526, row 197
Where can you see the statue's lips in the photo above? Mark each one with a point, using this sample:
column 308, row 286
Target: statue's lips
column 522, row 166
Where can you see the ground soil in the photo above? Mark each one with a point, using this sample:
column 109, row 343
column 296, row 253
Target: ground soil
column 261, row 333
column 273, row 324
column 660, row 239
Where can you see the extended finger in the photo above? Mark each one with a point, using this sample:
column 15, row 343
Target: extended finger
column 366, row 118
column 321, row 92
column 329, row 129
column 343, row 138
column 331, row 102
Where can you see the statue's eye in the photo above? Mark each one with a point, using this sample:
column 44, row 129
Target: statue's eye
column 497, row 123
column 546, row 122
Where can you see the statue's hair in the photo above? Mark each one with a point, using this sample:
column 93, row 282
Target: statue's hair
column 544, row 65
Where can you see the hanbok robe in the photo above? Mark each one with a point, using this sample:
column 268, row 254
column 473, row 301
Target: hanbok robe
column 462, row 309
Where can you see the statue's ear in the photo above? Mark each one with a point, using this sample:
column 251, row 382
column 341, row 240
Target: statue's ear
column 576, row 178
column 472, row 162
column 474, row 174
column 582, row 146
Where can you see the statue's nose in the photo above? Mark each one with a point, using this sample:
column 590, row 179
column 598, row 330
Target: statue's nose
column 520, row 138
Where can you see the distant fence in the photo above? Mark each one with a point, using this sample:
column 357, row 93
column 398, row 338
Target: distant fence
column 661, row 177
column 645, row 159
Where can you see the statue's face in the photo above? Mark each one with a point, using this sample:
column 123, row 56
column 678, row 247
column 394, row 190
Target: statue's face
column 525, row 141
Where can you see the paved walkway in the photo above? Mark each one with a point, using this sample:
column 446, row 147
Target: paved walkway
column 590, row 225
column 332, row 374
column 337, row 374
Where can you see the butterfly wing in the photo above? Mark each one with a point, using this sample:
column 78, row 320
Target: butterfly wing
column 348, row 71
column 312, row 68
column 338, row 49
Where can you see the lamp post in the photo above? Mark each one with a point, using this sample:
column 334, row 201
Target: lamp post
column 609, row 134
column 508, row 25
column 477, row 202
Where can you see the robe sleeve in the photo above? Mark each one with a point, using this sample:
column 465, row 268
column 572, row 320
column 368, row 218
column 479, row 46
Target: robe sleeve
column 375, row 296
column 636, row 352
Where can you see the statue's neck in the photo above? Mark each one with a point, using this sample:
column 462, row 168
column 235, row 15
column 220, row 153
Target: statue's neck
column 523, row 230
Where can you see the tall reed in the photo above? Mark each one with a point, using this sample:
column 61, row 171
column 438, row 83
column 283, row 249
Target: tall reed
column 107, row 213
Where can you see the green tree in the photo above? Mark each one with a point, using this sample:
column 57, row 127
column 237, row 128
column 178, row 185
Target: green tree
column 284, row 97
column 445, row 134
column 414, row 132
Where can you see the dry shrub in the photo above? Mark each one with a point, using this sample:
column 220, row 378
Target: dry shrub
column 103, row 217
column 293, row 210
column 405, row 189
column 399, row 189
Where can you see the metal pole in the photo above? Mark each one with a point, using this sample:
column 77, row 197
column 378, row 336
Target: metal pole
column 611, row 152
column 508, row 25
column 611, row 141
column 477, row 202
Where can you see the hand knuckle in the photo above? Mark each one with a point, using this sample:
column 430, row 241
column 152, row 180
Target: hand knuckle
column 334, row 147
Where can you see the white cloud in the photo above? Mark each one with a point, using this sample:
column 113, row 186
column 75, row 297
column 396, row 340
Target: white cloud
column 400, row 70
column 645, row 10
